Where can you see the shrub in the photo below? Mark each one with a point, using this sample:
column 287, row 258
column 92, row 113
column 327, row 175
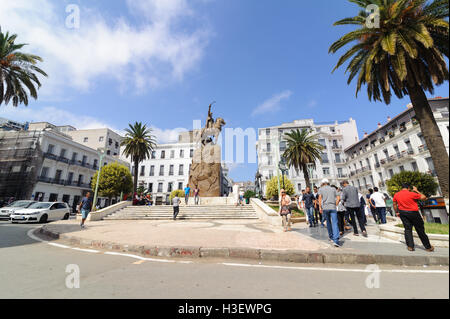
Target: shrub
column 425, row 183
column 178, row 192
column 249, row 194
column 272, row 187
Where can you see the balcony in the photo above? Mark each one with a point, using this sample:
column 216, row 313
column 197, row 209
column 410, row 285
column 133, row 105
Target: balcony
column 336, row 148
column 51, row 156
column 342, row 176
column 423, row 148
column 432, row 172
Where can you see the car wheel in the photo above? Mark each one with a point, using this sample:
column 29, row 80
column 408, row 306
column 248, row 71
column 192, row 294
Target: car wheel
column 43, row 219
column 66, row 216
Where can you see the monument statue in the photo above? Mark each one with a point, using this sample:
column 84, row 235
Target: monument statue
column 206, row 166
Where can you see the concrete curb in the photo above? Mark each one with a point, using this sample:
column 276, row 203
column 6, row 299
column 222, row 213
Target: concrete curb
column 293, row 256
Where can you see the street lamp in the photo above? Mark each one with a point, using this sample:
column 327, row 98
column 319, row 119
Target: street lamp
column 283, row 168
column 101, row 154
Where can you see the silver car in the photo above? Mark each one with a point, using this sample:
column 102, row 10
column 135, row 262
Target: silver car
column 5, row 212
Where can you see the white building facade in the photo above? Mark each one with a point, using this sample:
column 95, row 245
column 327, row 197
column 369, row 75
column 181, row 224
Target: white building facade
column 62, row 169
column 335, row 137
column 395, row 146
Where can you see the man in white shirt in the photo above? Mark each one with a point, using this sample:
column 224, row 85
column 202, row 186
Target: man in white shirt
column 380, row 204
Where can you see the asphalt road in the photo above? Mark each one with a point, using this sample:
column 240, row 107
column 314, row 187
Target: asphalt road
column 33, row 269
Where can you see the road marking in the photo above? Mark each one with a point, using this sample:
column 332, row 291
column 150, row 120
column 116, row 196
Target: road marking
column 58, row 245
column 86, row 250
column 140, row 258
column 139, row 262
column 339, row 269
column 32, row 236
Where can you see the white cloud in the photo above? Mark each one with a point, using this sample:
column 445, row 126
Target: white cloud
column 272, row 105
column 151, row 54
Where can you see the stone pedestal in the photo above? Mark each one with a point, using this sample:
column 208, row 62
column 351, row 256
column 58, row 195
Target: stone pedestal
column 205, row 171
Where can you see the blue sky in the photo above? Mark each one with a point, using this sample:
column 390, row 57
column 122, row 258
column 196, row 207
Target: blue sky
column 163, row 61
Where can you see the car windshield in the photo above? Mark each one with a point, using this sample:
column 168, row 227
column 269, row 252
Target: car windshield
column 40, row 205
column 21, row 203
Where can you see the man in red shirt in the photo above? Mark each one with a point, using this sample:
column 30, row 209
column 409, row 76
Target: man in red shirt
column 405, row 205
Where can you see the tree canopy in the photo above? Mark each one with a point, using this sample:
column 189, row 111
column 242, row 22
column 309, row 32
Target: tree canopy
column 114, row 179
column 425, row 183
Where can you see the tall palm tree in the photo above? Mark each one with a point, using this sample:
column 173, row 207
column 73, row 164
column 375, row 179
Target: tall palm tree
column 404, row 55
column 17, row 72
column 302, row 150
column 138, row 142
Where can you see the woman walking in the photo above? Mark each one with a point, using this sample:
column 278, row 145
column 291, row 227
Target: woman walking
column 285, row 210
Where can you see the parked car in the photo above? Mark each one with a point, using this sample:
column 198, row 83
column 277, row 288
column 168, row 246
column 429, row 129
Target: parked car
column 41, row 212
column 5, row 212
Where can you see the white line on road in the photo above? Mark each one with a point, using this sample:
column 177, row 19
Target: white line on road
column 58, row 245
column 339, row 269
column 86, row 250
column 139, row 257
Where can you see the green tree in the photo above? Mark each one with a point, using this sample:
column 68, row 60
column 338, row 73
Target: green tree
column 302, row 150
column 114, row 179
column 404, row 55
column 138, row 144
column 251, row 194
column 178, row 192
column 17, row 72
column 272, row 187
column 425, row 183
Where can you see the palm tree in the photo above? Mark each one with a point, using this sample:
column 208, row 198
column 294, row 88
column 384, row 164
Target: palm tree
column 404, row 55
column 302, row 150
column 17, row 72
column 138, row 144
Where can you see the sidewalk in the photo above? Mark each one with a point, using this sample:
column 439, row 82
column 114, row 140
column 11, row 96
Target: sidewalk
column 249, row 239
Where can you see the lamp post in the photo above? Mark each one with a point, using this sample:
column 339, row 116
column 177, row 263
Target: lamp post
column 101, row 154
column 283, row 168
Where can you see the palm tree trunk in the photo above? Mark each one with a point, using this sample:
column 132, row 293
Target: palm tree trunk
column 136, row 168
column 431, row 134
column 306, row 175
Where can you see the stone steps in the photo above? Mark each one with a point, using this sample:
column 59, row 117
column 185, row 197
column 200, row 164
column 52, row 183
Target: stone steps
column 186, row 212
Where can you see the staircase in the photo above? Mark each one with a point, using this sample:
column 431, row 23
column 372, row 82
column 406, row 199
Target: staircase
column 191, row 212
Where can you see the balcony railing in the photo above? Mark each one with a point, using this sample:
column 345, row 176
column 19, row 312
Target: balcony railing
column 423, row 148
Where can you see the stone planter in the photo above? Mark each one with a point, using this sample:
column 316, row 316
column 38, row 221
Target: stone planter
column 295, row 220
column 393, row 232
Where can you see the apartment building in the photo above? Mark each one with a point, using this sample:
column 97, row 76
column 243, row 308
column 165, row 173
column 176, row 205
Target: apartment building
column 46, row 164
column 104, row 138
column 334, row 136
column 395, row 146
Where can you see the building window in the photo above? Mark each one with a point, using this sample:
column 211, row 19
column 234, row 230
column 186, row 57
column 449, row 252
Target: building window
column 85, row 140
column 181, row 170
column 269, row 160
column 101, row 138
column 142, row 171
column 84, row 160
column 191, row 153
column 70, row 178
column 171, row 170
column 163, row 154
column 181, row 153
column 322, row 142
column 326, row 171
column 74, row 156
column 414, row 166
column 44, row 172
column 110, row 141
column 391, row 173
column 150, row 187
column 267, row 131
column 153, row 154
column 172, row 154
column 170, row 187
column 325, row 158
column 108, row 152
column 161, row 170
column 160, row 187
column 180, row 185
column 95, row 164
column 402, row 168
column 299, row 187
column 152, row 170
column 117, row 145
column 63, row 153
column 338, row 158
column 51, row 148
column 282, row 146
column 269, row 147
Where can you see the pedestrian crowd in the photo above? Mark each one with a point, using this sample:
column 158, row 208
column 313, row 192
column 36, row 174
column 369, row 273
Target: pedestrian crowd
column 344, row 209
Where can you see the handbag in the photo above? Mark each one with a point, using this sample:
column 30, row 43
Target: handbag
column 285, row 210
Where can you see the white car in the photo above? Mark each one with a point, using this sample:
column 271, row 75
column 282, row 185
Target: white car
column 5, row 212
column 41, row 212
